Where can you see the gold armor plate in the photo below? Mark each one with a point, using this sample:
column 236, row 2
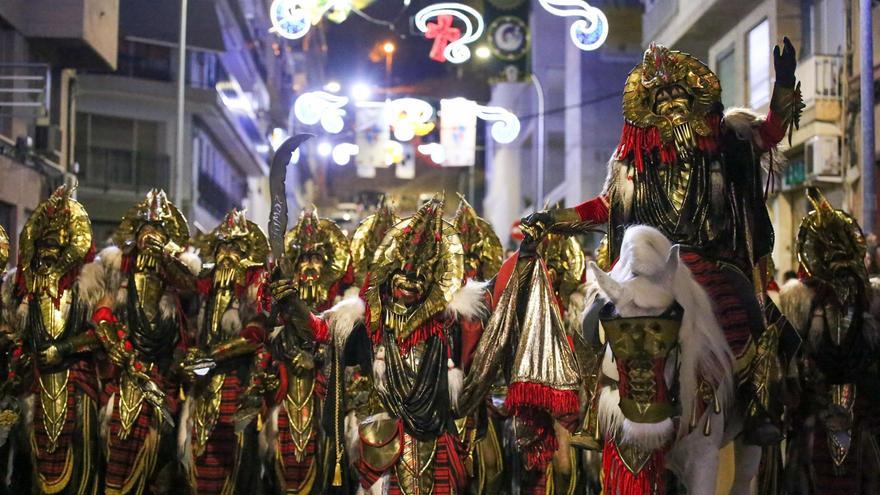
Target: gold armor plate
column 380, row 446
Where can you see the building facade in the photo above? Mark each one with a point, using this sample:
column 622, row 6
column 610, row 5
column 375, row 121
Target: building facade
column 239, row 78
column 43, row 46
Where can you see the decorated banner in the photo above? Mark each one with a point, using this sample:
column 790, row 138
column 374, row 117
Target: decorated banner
column 371, row 136
column 406, row 168
column 458, row 131
column 509, row 39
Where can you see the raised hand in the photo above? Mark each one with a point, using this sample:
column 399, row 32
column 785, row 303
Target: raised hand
column 785, row 63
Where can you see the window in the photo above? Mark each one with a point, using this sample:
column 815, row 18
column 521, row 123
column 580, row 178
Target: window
column 221, row 185
column 120, row 153
column 725, row 68
column 759, row 64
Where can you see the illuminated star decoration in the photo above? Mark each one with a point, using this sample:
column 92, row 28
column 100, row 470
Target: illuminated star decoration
column 443, row 33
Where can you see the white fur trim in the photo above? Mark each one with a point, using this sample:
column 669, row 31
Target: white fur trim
column 469, row 302
column 343, row 317
column 379, row 370
column 110, row 258
column 455, row 382
column 28, row 405
column 121, row 297
column 648, row 436
column 7, row 298
column 610, row 416
column 21, row 314
column 269, row 434
column 352, row 438
column 576, row 306
column 184, row 432
column 231, row 322
column 351, row 292
column 104, row 417
column 91, row 285
column 192, row 261
column 168, row 306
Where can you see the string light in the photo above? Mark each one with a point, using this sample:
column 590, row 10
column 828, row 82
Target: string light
column 456, row 51
column 320, row 106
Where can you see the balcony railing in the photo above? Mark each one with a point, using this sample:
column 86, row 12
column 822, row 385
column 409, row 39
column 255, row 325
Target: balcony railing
column 125, row 170
column 24, row 90
column 821, row 77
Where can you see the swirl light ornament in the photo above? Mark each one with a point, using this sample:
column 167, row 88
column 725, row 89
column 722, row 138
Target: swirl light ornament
column 455, row 51
column 587, row 33
column 410, row 117
column 435, row 151
column 505, row 125
column 343, row 152
column 290, row 19
column 320, row 106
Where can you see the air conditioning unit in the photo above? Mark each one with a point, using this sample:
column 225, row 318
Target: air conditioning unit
column 822, row 158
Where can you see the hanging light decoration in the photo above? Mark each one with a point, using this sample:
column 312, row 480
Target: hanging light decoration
column 410, row 117
column 450, row 44
column 587, row 33
column 343, row 152
column 320, row 106
column 435, row 151
column 505, row 125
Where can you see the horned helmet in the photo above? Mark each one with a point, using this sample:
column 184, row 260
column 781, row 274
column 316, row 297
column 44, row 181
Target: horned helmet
column 831, row 249
column 235, row 246
column 672, row 92
column 416, row 270
column 367, row 237
column 316, row 256
column 153, row 220
column 482, row 248
column 55, row 240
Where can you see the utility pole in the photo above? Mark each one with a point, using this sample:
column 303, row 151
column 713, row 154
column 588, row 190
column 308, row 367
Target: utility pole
column 866, row 83
column 181, row 95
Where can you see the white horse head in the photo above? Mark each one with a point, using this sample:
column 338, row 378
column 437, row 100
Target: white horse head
column 647, row 279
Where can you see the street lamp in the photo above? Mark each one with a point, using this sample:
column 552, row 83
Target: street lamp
column 388, row 47
column 483, row 52
column 333, row 87
column 360, row 92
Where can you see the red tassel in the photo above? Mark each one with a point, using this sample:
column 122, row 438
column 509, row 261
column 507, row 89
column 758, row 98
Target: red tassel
column 635, row 142
column 619, row 480
column 538, row 396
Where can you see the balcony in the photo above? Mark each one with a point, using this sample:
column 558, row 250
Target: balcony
column 123, row 170
column 821, row 86
column 214, row 199
column 24, row 90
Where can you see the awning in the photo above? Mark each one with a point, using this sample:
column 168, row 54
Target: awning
column 159, row 21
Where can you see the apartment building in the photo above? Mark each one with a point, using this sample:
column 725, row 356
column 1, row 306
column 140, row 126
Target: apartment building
column 239, row 78
column 43, row 45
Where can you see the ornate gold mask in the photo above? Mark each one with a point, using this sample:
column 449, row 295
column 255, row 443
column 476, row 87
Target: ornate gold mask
column 316, row 256
column 482, row 248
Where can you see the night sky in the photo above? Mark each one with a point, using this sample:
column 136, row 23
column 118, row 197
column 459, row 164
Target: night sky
column 350, row 43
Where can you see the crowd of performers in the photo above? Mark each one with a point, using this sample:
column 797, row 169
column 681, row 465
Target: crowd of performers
column 412, row 358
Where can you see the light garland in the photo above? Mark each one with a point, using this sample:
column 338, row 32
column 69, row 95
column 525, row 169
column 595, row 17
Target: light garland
column 320, row 106
column 587, row 33
column 455, row 51
column 292, row 19
column 410, row 117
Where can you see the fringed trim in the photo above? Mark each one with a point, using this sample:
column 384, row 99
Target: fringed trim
column 434, row 326
column 619, row 480
column 536, row 395
column 639, row 141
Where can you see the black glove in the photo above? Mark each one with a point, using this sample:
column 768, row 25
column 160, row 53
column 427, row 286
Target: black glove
column 785, row 62
column 528, row 247
column 535, row 224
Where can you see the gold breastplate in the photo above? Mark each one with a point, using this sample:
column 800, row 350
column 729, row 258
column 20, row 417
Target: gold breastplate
column 676, row 178
column 149, row 289
column 207, row 410
column 222, row 300
column 300, row 405
column 54, row 315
